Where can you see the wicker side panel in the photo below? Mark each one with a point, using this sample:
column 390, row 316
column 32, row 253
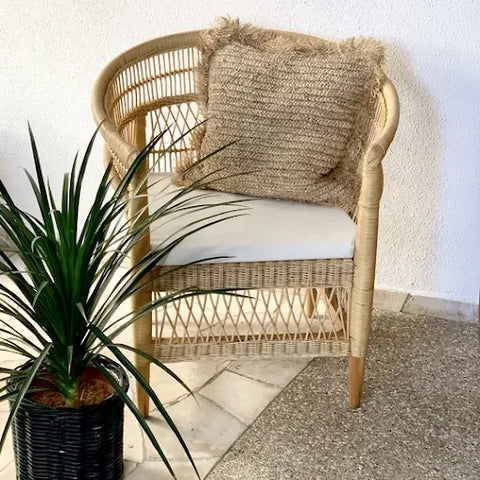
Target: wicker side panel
column 255, row 348
column 271, row 322
column 281, row 274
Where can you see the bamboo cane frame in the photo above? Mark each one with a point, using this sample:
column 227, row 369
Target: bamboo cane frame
column 142, row 337
column 131, row 83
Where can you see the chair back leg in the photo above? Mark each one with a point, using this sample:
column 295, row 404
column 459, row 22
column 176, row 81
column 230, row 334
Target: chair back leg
column 310, row 301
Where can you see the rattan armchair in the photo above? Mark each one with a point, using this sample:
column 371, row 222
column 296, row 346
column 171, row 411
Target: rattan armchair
column 151, row 86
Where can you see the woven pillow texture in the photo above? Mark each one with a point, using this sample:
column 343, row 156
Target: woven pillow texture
column 295, row 112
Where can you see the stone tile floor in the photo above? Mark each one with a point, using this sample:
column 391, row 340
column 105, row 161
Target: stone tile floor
column 228, row 398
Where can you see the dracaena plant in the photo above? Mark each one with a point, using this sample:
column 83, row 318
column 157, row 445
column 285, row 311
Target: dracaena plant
column 58, row 309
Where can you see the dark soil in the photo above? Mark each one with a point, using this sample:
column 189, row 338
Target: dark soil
column 93, row 389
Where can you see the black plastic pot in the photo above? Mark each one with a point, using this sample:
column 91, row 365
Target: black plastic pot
column 68, row 443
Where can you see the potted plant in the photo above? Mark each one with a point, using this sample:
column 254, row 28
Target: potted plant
column 58, row 312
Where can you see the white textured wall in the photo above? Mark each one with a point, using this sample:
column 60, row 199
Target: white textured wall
column 51, row 52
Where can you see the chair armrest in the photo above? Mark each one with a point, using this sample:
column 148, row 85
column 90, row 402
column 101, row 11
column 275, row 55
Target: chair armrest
column 379, row 146
column 364, row 257
column 117, row 148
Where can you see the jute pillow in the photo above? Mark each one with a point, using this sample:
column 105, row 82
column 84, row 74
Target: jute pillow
column 297, row 109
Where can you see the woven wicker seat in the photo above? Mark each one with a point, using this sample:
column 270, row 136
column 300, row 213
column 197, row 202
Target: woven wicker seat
column 151, row 86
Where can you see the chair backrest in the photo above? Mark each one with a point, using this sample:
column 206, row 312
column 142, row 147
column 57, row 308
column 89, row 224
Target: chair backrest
column 156, row 81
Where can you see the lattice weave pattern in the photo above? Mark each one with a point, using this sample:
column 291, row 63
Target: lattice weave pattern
column 267, row 322
column 279, row 314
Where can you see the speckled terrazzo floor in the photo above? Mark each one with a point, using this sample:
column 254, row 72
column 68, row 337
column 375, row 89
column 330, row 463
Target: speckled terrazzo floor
column 420, row 418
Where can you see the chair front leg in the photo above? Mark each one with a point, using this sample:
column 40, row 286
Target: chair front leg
column 356, row 372
column 142, row 339
column 360, row 318
column 138, row 211
column 364, row 260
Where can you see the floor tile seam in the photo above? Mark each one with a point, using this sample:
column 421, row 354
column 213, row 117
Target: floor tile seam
column 7, row 466
column 244, row 432
column 137, row 464
column 197, row 389
column 213, row 402
column 183, row 396
column 214, row 377
column 277, row 393
column 263, row 382
column 155, row 456
column 144, row 445
column 177, row 459
column 280, row 386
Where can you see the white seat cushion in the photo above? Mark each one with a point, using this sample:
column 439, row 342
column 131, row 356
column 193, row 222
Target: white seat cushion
column 268, row 229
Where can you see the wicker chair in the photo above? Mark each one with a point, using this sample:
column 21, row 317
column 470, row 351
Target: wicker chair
column 151, row 86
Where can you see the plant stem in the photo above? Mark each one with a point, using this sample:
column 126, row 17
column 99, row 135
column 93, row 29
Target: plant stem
column 72, row 395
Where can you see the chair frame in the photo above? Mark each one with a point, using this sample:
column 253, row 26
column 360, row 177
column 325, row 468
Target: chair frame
column 123, row 95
